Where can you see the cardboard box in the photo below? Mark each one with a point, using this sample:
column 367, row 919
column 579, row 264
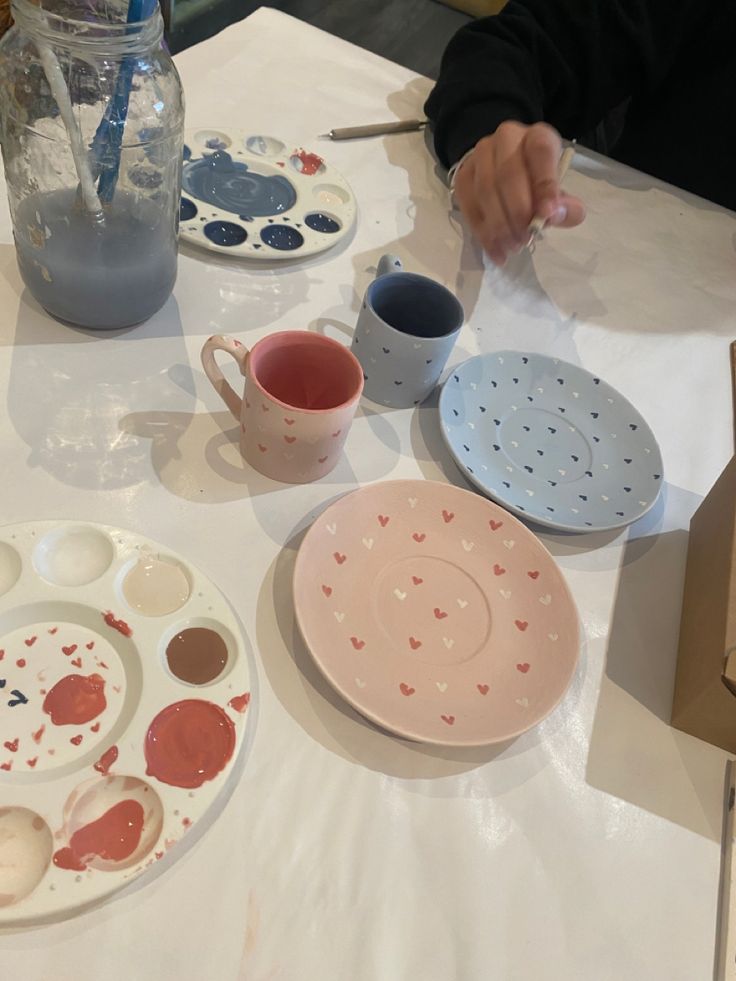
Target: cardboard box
column 705, row 687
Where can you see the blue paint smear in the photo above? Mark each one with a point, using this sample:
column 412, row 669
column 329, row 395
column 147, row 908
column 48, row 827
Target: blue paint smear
column 231, row 186
column 186, row 153
column 187, row 210
column 282, row 237
column 322, row 223
column 225, row 233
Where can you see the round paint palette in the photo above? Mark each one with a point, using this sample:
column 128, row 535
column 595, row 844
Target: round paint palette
column 435, row 613
column 257, row 197
column 550, row 441
column 124, row 686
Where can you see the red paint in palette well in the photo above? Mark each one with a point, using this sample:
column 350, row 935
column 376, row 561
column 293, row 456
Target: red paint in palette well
column 75, row 699
column 311, row 162
column 120, row 625
column 106, row 760
column 188, row 743
column 113, row 837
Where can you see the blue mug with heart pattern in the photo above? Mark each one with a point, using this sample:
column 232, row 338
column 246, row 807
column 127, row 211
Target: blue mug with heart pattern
column 407, row 326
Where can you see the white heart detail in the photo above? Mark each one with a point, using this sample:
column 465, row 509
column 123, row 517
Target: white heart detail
column 417, row 347
column 572, row 429
column 509, row 542
column 339, row 616
column 506, row 593
column 368, row 542
column 462, row 603
column 514, row 407
column 483, row 466
column 540, row 390
column 448, row 642
column 359, row 683
column 500, row 360
column 524, row 702
column 442, row 685
column 574, row 510
column 398, row 594
column 473, row 386
column 471, row 425
column 373, row 360
column 468, row 546
column 562, row 473
column 412, row 502
column 288, row 456
column 331, row 528
column 643, row 503
column 545, row 600
column 553, row 637
column 530, row 493
column 646, row 450
column 610, row 401
column 603, row 497
column 510, row 469
column 514, row 443
column 613, row 436
column 605, row 466
column 576, row 395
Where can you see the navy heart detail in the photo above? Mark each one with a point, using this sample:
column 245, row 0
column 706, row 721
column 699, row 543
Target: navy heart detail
column 575, row 458
column 506, row 483
column 588, row 473
column 525, row 360
column 627, row 489
column 549, row 508
column 626, row 461
column 596, row 381
column 495, row 384
column 2, row 682
column 469, row 469
column 540, row 452
column 561, row 381
column 466, row 448
column 482, row 408
column 456, row 378
column 582, row 497
column 455, row 412
column 529, row 398
column 632, row 426
column 552, row 482
column 430, row 361
column 597, row 439
column 553, row 431
column 657, row 476
column 496, row 447
column 529, row 469
column 594, row 414
column 620, row 514
column 386, row 351
column 497, row 421
column 560, row 408
column 398, row 383
column 515, row 381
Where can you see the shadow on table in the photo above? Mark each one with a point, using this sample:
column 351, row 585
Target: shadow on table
column 634, row 753
column 327, row 718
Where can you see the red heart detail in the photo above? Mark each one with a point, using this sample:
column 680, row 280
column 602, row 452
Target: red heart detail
column 406, row 690
column 357, row 644
column 483, row 689
column 247, row 404
column 90, row 645
column 12, row 746
column 414, row 643
column 322, row 459
column 69, row 650
column 523, row 667
column 335, row 435
column 289, row 422
column 416, row 580
column 77, row 662
column 448, row 516
column 159, row 854
column 21, row 662
column 6, row 766
column 495, row 525
column 32, row 762
column 53, row 630
column 327, row 590
column 383, row 520
column 95, row 727
column 339, row 558
column 498, row 570
column 533, row 575
column 102, row 664
column 449, row 719
column 75, row 740
column 31, row 641
column 262, row 448
column 51, row 751
column 2, row 655
column 265, row 408
column 36, row 736
column 521, row 624
column 290, row 439
column 418, row 537
column 439, row 614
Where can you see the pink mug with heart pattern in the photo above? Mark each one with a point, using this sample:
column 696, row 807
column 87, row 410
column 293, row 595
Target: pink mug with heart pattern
column 301, row 392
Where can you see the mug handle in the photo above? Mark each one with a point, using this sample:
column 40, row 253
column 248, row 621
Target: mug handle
column 388, row 263
column 218, row 342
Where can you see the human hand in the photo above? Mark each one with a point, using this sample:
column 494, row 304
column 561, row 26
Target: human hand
column 509, row 179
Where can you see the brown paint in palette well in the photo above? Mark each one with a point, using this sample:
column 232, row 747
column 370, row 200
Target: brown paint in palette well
column 196, row 655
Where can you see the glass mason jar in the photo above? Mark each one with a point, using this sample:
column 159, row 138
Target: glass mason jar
column 92, row 133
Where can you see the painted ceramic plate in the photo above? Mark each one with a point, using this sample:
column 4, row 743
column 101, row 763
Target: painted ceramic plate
column 257, row 197
column 124, row 686
column 435, row 613
column 550, row 441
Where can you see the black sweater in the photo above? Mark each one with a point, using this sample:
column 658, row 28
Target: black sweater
column 570, row 62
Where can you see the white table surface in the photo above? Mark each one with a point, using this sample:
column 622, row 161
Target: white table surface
column 588, row 850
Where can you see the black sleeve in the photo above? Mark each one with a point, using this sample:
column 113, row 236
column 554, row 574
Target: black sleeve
column 568, row 62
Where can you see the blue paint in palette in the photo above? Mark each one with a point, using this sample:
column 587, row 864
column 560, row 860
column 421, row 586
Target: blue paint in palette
column 231, row 186
column 225, row 233
column 322, row 223
column 282, row 237
column 187, row 210
column 186, row 153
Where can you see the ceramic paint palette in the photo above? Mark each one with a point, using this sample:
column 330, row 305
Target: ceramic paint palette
column 124, row 686
column 257, row 197
column 435, row 613
column 550, row 441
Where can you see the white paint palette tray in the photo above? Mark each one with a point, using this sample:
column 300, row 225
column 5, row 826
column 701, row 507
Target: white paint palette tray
column 124, row 703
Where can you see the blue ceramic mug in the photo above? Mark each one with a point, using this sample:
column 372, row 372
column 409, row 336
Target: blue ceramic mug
column 406, row 329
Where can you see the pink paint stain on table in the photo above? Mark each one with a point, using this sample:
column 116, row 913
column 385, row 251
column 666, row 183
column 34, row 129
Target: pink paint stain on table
column 189, row 743
column 113, row 837
column 76, row 699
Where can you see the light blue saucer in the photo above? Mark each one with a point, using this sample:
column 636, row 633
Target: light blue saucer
column 550, row 442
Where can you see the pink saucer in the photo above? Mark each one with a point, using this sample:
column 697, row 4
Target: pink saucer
column 435, row 613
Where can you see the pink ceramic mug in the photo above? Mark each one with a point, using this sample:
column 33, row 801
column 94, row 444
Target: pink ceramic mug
column 301, row 392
